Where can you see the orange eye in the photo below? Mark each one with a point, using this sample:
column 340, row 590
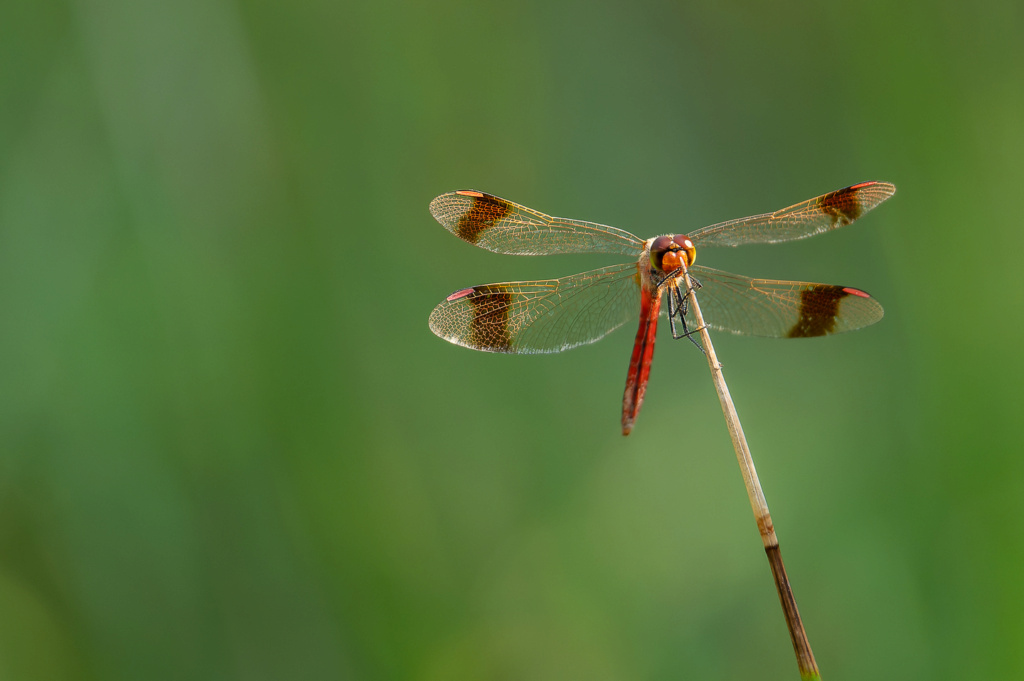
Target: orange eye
column 662, row 244
column 659, row 248
column 686, row 244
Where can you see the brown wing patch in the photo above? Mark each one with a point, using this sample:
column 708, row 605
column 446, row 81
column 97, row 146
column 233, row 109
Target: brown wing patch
column 490, row 222
column 799, row 221
column 819, row 306
column 843, row 205
column 489, row 327
column 484, row 211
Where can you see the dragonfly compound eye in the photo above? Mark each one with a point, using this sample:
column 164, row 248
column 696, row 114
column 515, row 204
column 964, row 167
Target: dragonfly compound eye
column 660, row 248
column 684, row 243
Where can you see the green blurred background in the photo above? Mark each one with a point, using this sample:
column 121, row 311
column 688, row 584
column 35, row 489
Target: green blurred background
column 231, row 448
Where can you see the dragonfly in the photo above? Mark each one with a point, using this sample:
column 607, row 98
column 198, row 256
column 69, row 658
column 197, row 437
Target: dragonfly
column 552, row 315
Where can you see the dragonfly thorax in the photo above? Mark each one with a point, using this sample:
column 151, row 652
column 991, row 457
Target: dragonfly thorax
column 669, row 253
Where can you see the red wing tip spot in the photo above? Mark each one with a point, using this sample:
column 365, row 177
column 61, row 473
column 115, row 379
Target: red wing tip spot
column 851, row 291
column 468, row 192
column 861, row 185
column 459, row 294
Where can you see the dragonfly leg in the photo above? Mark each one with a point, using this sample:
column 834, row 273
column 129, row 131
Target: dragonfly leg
column 677, row 308
column 672, row 313
column 689, row 334
column 695, row 284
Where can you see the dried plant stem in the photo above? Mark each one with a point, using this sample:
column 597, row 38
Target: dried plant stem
column 802, row 648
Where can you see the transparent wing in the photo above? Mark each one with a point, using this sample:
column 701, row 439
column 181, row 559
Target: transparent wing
column 781, row 309
column 827, row 212
column 551, row 315
column 506, row 227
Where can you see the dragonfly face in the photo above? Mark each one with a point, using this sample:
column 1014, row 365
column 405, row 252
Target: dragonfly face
column 669, row 253
column 552, row 315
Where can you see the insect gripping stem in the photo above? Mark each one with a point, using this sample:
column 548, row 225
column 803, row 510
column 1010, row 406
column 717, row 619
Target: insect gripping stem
column 804, row 656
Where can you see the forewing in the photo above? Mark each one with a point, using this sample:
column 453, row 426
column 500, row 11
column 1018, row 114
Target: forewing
column 502, row 226
column 550, row 315
column 781, row 309
column 822, row 214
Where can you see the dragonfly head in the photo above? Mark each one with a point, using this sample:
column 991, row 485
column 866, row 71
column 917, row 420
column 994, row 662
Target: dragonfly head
column 669, row 253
